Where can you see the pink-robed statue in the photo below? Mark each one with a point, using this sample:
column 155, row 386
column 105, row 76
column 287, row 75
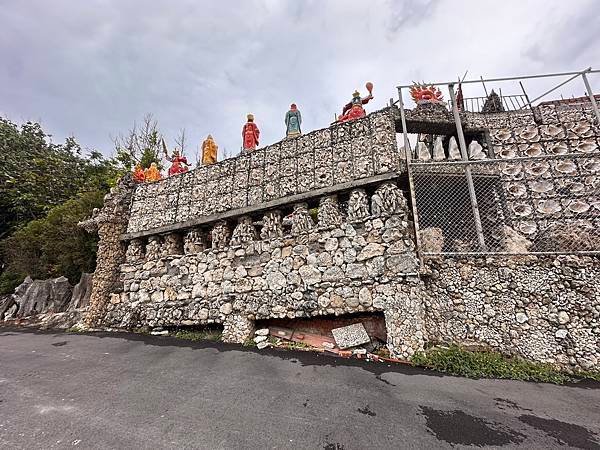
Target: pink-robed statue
column 250, row 134
column 354, row 109
column 179, row 163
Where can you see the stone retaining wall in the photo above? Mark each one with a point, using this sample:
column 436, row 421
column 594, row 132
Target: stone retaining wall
column 543, row 309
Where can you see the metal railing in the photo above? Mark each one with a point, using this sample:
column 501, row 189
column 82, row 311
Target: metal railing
column 480, row 219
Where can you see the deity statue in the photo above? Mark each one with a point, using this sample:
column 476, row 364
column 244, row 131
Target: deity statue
column 209, row 151
column 293, row 120
column 250, row 134
column 354, row 109
column 138, row 174
column 152, row 173
column 425, row 93
column 178, row 162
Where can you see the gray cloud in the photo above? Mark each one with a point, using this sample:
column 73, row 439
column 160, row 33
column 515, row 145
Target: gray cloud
column 91, row 68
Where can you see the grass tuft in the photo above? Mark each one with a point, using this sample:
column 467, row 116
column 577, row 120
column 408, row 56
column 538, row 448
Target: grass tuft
column 204, row 335
column 456, row 360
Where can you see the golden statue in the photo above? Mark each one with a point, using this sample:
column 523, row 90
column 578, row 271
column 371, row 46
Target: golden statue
column 152, row 173
column 209, row 151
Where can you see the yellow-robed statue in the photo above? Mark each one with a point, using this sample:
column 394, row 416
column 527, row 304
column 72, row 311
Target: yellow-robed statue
column 209, row 151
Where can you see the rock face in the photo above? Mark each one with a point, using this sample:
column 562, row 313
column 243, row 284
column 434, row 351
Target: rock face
column 42, row 296
column 81, row 292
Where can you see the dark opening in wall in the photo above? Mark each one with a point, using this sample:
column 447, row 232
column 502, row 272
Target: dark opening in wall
column 310, row 329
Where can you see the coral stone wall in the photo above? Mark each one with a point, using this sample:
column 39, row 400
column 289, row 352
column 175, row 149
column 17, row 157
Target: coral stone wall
column 543, row 309
column 349, row 268
column 321, row 159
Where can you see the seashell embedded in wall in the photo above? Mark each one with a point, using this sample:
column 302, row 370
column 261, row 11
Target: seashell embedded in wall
column 580, row 129
column 512, row 170
column 557, row 148
column 591, row 166
column 531, row 150
column 541, row 186
column 550, row 206
column 536, row 168
column 566, row 167
column 529, row 134
column 527, row 227
column 551, row 132
column 585, row 146
column 578, row 206
column 502, row 135
column 522, row 209
column 516, row 189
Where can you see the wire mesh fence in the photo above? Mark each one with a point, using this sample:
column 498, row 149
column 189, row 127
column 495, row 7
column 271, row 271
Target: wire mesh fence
column 546, row 204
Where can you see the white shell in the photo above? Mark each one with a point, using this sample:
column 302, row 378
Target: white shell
column 522, row 209
column 576, row 187
column 507, row 153
column 533, row 150
column 581, row 128
column 516, row 189
column 586, row 146
column 591, row 166
column 536, row 168
column 530, row 134
column 577, row 206
column 527, row 227
column 552, row 130
column 541, row 186
column 548, row 206
column 557, row 148
column 512, row 170
column 503, row 135
column 592, row 181
column 567, row 167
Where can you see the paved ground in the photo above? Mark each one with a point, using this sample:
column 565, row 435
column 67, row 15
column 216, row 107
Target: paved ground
column 130, row 391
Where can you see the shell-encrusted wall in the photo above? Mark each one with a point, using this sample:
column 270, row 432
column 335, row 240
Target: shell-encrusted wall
column 320, row 159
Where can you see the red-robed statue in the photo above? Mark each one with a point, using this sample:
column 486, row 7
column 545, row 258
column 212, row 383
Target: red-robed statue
column 354, row 109
column 250, row 134
column 178, row 162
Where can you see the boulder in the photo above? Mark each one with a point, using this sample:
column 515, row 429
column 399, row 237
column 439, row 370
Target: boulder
column 41, row 296
column 81, row 292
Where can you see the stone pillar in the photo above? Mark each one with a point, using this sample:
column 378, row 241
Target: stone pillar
column 405, row 323
column 237, row 329
column 110, row 222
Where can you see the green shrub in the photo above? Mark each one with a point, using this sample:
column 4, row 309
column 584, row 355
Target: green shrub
column 487, row 364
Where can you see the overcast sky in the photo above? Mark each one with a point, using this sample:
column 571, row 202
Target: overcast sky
column 91, row 68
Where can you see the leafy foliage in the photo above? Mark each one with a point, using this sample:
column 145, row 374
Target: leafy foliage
column 37, row 175
column 52, row 246
column 456, row 360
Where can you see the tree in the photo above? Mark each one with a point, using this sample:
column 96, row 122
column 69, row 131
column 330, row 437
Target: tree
column 141, row 145
column 52, row 246
column 37, row 175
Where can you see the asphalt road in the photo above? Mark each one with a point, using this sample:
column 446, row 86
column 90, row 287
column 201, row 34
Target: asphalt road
column 129, row 391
